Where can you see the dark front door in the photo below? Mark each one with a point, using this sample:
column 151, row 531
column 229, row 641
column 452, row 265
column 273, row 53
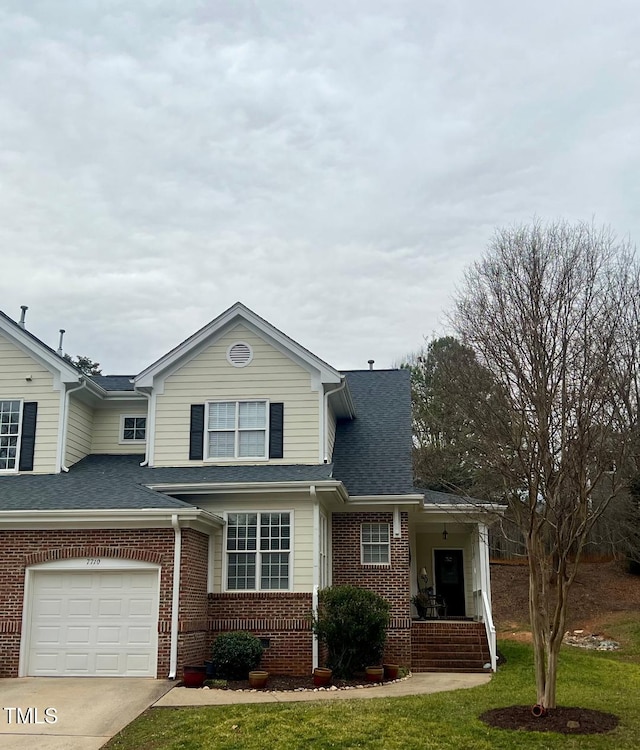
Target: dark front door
column 450, row 580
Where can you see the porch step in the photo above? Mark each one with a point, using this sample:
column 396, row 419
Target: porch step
column 448, row 647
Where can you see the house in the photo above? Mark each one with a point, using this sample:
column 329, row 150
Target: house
column 219, row 489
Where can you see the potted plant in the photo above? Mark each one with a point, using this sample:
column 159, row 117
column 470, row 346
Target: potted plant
column 194, row 676
column 322, row 676
column 374, row 674
column 391, row 671
column 258, row 679
column 421, row 602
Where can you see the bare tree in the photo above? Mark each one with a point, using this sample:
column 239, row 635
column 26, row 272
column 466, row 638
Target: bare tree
column 549, row 311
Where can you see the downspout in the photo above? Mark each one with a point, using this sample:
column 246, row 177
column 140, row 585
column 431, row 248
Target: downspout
column 325, row 416
column 148, row 431
column 316, row 570
column 175, row 600
column 65, row 420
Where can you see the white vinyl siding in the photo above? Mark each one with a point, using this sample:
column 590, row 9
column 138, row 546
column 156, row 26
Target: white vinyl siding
column 301, row 566
column 107, row 425
column 17, row 366
column 271, row 376
column 79, row 430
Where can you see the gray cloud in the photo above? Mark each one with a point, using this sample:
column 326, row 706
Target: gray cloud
column 333, row 165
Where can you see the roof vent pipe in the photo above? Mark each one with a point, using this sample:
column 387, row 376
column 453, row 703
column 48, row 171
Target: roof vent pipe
column 62, row 332
column 371, row 361
column 23, row 315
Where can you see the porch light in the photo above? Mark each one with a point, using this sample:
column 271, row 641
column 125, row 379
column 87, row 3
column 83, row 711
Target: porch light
column 445, row 533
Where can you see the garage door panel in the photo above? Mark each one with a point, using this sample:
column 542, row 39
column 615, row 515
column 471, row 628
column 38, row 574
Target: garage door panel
column 111, row 630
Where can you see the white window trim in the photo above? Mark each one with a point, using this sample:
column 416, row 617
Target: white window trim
column 19, row 437
column 121, row 439
column 219, row 459
column 225, row 552
column 378, row 564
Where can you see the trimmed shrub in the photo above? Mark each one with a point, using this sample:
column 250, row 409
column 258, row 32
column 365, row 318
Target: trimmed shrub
column 352, row 622
column 234, row 655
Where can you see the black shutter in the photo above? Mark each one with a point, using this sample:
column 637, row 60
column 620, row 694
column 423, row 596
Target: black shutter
column 276, row 430
column 28, row 439
column 196, row 433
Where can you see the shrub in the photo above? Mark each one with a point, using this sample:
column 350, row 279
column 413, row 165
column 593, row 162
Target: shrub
column 352, row 622
column 234, row 655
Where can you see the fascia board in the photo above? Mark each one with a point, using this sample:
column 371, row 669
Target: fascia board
column 48, row 359
column 464, row 508
column 15, row 519
column 210, row 488
column 386, row 499
column 203, row 337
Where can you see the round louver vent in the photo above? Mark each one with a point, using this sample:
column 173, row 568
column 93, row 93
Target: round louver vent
column 239, row 354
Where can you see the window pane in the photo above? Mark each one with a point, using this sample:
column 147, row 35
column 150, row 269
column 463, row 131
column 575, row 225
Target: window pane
column 274, row 572
column 221, row 444
column 241, row 571
column 274, row 531
column 253, row 414
column 9, row 431
column 242, row 531
column 375, row 553
column 222, row 415
column 251, row 443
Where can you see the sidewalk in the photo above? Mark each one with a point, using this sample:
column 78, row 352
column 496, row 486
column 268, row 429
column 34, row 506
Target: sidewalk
column 419, row 683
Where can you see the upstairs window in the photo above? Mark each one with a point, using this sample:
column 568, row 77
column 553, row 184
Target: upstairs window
column 376, row 545
column 237, row 429
column 258, row 551
column 10, row 419
column 133, row 429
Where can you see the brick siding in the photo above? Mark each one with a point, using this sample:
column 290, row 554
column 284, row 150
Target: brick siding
column 390, row 581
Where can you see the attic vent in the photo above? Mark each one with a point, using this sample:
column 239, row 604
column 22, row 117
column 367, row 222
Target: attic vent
column 239, row 354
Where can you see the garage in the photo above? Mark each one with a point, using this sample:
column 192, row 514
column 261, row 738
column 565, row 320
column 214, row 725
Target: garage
column 94, row 617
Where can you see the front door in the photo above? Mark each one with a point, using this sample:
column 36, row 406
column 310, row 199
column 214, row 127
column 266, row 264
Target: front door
column 450, row 580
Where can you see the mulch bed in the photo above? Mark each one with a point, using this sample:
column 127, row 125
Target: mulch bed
column 562, row 719
column 279, row 682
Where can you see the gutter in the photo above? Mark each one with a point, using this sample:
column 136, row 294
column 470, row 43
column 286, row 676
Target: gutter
column 175, row 599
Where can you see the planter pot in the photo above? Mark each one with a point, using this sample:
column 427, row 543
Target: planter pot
column 374, row 674
column 258, row 679
column 194, row 676
column 391, row 671
column 321, row 676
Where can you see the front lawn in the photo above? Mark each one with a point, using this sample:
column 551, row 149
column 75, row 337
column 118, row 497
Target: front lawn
column 443, row 720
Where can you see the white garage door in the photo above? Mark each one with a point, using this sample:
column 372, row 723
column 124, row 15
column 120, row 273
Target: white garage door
column 94, row 623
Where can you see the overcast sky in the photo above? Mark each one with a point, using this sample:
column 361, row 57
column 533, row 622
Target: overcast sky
column 332, row 164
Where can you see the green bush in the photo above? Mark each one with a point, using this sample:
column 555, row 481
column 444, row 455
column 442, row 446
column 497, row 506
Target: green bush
column 234, row 655
column 352, row 622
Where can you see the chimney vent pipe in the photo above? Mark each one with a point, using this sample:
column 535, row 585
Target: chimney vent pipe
column 62, row 332
column 23, row 315
column 371, row 361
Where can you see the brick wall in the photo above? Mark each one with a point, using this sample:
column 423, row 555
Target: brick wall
column 193, row 626
column 283, row 618
column 19, row 549
column 390, row 581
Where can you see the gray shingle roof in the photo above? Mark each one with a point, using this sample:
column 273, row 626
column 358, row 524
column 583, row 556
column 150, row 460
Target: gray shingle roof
column 372, row 453
column 117, row 482
column 114, row 382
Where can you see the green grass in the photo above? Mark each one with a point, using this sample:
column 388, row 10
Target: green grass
column 443, row 720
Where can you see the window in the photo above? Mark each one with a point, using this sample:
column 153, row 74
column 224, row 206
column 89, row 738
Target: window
column 258, row 551
column 375, row 543
column 133, row 429
column 237, row 429
column 10, row 417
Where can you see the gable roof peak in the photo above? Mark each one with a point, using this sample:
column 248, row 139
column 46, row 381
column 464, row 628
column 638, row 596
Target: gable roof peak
column 237, row 312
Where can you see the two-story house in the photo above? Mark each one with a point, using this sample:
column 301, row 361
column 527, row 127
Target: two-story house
column 220, row 489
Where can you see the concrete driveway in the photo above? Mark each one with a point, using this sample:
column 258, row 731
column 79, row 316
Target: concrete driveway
column 87, row 710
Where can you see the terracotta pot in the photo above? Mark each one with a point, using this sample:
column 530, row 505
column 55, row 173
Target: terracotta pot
column 194, row 676
column 374, row 674
column 322, row 676
column 391, row 671
column 258, row 679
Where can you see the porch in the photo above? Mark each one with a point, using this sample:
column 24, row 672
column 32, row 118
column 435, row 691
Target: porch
column 450, row 573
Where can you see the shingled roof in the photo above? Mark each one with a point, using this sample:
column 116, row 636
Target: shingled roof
column 372, row 453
